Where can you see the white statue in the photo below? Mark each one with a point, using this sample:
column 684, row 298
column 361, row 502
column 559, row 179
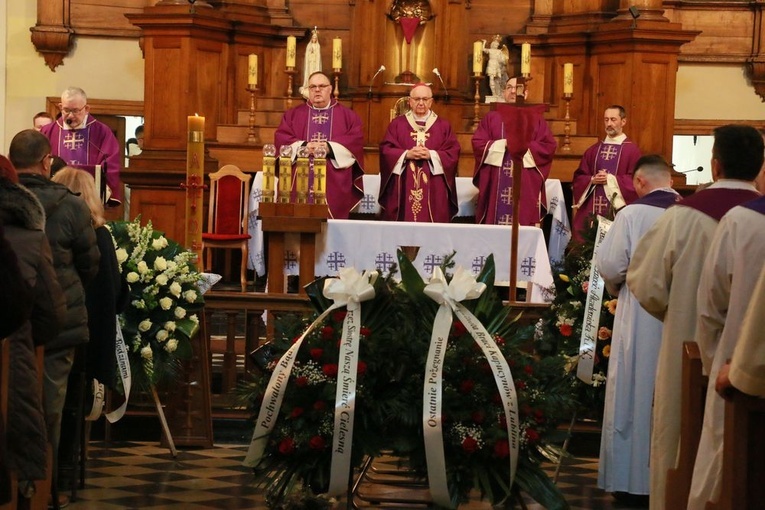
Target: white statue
column 496, row 67
column 312, row 61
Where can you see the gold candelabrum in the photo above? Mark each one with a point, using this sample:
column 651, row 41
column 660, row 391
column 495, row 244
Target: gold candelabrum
column 290, row 71
column 252, row 132
column 567, row 125
column 337, row 72
column 477, row 77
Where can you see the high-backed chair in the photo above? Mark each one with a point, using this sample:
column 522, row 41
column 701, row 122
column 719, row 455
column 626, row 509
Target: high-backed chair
column 227, row 219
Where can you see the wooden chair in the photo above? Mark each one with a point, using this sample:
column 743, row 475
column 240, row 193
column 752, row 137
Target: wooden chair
column 227, row 218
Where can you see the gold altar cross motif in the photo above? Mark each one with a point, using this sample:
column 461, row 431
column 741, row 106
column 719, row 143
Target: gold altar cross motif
column 320, row 118
column 608, row 152
column 73, row 141
column 419, row 136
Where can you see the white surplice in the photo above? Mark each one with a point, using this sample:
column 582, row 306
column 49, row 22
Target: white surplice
column 626, row 434
column 747, row 367
column 736, row 258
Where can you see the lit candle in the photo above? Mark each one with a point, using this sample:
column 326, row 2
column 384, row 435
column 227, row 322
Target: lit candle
column 568, row 78
column 291, row 50
column 195, row 164
column 337, row 53
column 477, row 57
column 252, row 70
column 525, row 59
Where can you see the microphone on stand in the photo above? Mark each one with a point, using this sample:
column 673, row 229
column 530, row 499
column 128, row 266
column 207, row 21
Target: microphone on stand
column 446, row 91
column 372, row 81
column 698, row 169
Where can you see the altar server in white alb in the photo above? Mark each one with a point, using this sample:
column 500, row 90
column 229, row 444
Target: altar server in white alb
column 664, row 277
column 626, row 437
column 736, row 257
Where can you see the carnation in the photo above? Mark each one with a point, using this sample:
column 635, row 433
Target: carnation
column 165, row 303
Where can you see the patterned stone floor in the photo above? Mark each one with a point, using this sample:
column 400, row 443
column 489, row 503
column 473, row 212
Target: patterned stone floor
column 126, row 475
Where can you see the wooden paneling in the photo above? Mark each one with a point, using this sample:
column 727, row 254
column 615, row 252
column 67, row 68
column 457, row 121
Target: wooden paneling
column 164, row 207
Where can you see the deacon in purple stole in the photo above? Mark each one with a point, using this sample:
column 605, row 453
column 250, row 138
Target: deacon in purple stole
column 616, row 155
column 512, row 135
column 322, row 121
column 84, row 142
column 418, row 164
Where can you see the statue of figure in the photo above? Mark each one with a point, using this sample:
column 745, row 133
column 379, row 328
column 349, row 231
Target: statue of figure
column 496, row 67
column 312, row 61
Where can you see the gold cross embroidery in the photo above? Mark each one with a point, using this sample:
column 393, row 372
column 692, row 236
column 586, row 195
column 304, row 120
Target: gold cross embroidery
column 419, row 136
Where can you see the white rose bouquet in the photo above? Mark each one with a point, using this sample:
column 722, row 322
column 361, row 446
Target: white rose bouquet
column 161, row 317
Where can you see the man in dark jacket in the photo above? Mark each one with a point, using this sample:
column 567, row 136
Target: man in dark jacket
column 75, row 257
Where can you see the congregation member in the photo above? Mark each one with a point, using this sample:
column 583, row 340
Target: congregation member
column 626, row 433
column 41, row 119
column 507, row 137
column 418, row 164
column 736, row 255
column 664, row 276
column 75, row 257
column 84, row 142
column 22, row 221
column 322, row 122
column 603, row 180
column 746, row 370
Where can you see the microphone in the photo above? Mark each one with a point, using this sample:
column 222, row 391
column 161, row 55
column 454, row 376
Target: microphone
column 371, row 82
column 698, row 169
column 446, row 92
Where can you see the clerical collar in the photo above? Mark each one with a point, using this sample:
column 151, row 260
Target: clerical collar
column 329, row 105
column 616, row 139
column 424, row 118
column 81, row 125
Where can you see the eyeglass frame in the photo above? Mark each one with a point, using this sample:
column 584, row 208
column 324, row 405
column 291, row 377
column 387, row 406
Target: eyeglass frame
column 421, row 99
column 71, row 111
column 319, row 87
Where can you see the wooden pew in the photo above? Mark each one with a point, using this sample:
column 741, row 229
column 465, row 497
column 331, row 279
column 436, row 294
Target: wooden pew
column 692, row 412
column 743, row 482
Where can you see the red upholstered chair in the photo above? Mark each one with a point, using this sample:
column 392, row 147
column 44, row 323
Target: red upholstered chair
column 227, row 218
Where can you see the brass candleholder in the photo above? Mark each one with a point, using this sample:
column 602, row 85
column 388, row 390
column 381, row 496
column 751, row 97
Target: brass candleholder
column 477, row 77
column 252, row 132
column 567, row 125
column 520, row 88
column 337, row 72
column 290, row 73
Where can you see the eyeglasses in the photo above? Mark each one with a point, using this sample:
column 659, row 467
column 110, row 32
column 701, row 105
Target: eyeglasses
column 47, row 157
column 420, row 99
column 318, row 87
column 72, row 111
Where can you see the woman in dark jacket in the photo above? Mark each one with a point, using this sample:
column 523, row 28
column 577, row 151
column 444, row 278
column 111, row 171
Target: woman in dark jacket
column 23, row 221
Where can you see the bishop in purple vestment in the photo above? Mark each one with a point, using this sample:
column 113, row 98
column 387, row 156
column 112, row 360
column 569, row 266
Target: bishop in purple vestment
column 418, row 164
column 615, row 155
column 512, row 135
column 84, row 142
column 323, row 122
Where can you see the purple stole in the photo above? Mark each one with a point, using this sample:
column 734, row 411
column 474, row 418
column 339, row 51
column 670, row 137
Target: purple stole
column 416, row 177
column 659, row 198
column 504, row 199
column 757, row 205
column 608, row 160
column 715, row 202
column 72, row 145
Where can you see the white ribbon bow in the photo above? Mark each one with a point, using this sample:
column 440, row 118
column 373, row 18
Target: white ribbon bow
column 463, row 286
column 350, row 288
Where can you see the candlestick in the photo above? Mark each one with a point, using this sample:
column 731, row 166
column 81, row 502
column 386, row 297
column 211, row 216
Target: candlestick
column 290, row 72
column 291, row 51
column 477, row 77
column 525, row 59
column 269, row 172
column 568, row 78
column 252, row 131
column 301, row 171
column 337, row 53
column 567, row 125
column 252, row 70
column 285, row 174
column 195, row 162
column 320, row 176
column 337, row 73
column 477, row 57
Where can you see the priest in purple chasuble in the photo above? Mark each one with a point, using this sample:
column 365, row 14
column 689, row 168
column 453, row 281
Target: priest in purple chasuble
column 84, row 142
column 323, row 122
column 594, row 191
column 418, row 164
column 512, row 135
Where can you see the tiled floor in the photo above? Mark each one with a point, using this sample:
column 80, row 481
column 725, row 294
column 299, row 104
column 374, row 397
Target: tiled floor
column 122, row 475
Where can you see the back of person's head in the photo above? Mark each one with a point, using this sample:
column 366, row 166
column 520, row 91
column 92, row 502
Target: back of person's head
column 41, row 119
column 56, row 164
column 654, row 167
column 139, row 131
column 739, row 151
column 7, row 171
column 28, row 148
column 81, row 182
